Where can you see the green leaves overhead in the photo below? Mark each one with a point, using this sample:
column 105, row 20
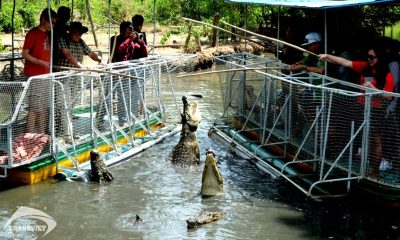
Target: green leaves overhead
column 260, row 18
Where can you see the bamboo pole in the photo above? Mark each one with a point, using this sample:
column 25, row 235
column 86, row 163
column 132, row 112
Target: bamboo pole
column 271, row 39
column 91, row 24
column 224, row 30
column 229, row 70
column 96, row 71
column 113, row 48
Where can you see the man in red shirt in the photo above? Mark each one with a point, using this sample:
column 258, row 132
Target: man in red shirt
column 36, row 53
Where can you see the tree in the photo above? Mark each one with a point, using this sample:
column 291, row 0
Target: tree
column 91, row 23
column 215, row 31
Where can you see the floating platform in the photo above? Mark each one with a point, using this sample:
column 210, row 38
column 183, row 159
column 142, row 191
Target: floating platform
column 312, row 130
column 118, row 109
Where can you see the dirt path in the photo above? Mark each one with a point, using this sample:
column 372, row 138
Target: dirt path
column 102, row 38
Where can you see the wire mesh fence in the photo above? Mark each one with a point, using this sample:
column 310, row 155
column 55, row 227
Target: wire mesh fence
column 339, row 127
column 55, row 113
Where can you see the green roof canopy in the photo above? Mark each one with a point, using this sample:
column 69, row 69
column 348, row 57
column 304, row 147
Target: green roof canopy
column 313, row 3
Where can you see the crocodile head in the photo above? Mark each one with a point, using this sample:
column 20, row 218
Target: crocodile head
column 98, row 172
column 191, row 114
column 187, row 151
column 212, row 183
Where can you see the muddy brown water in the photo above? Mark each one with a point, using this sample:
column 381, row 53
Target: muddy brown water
column 164, row 196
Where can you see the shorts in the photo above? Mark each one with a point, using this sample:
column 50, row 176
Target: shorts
column 39, row 94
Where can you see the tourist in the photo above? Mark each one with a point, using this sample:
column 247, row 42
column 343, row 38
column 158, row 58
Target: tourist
column 127, row 45
column 140, row 51
column 122, row 49
column 310, row 63
column 72, row 49
column 63, row 17
column 304, row 104
column 37, row 54
column 374, row 74
column 60, row 29
column 137, row 24
column 290, row 55
column 391, row 133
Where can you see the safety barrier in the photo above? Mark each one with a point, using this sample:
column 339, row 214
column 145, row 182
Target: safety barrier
column 341, row 131
column 53, row 114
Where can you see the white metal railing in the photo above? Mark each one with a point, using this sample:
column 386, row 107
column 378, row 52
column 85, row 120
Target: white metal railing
column 83, row 107
column 339, row 129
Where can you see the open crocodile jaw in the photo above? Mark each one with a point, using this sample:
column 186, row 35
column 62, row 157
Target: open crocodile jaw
column 212, row 183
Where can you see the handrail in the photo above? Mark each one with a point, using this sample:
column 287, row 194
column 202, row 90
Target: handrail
column 153, row 69
column 319, row 105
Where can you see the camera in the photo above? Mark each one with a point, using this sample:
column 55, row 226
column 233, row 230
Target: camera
column 139, row 35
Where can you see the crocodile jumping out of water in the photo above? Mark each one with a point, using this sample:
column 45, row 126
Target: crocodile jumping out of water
column 211, row 183
column 187, row 151
column 98, row 172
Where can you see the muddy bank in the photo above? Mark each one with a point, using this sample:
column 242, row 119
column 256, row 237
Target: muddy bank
column 205, row 58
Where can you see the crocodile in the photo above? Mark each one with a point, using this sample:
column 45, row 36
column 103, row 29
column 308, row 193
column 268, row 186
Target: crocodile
column 98, row 172
column 206, row 216
column 211, row 183
column 187, row 151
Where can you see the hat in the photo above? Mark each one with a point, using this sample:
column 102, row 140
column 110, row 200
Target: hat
column 312, row 37
column 78, row 27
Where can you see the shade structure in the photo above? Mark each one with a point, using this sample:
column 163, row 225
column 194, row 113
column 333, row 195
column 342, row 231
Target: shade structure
column 314, row 3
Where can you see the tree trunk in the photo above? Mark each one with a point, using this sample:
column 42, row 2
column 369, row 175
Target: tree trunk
column 215, row 31
column 241, row 25
column 91, row 23
column 185, row 48
column 233, row 36
column 198, row 44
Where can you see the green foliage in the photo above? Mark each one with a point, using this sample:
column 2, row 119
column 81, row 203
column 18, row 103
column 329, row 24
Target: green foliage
column 26, row 15
column 168, row 12
column 80, row 9
column 121, row 10
column 1, row 45
column 255, row 17
column 378, row 17
column 6, row 17
column 168, row 34
column 98, row 10
column 393, row 31
column 197, row 31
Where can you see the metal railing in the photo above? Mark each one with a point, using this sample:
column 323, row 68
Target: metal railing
column 58, row 113
column 340, row 131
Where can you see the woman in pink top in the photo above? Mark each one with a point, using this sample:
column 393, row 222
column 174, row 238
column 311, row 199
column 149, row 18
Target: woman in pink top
column 37, row 52
column 374, row 74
